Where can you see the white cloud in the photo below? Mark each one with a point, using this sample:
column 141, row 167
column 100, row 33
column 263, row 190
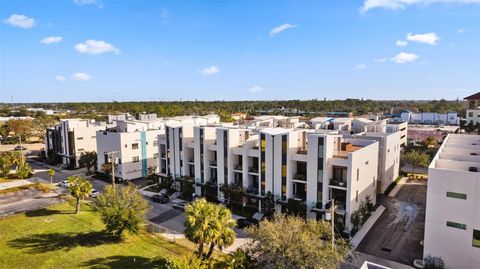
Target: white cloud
column 81, row 76
column 281, row 28
column 60, row 78
column 402, row 4
column 99, row 4
column 21, row 21
column 404, row 57
column 255, row 89
column 461, row 31
column 428, row 38
column 360, row 66
column 401, row 43
column 51, row 40
column 211, row 70
column 380, row 60
column 94, row 47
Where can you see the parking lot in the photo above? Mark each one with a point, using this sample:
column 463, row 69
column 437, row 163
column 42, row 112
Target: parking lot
column 398, row 232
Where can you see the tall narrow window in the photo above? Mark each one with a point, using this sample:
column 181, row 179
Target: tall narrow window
column 358, row 174
column 456, row 195
column 356, row 197
column 456, row 225
column 476, row 238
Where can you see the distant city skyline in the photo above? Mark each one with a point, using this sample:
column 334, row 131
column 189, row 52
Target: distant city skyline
column 104, row 50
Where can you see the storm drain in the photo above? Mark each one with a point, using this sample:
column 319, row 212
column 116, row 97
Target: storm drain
column 387, row 250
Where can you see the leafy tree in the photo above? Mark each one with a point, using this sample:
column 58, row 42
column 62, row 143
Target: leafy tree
column 24, row 171
column 210, row 225
column 462, row 125
column 356, row 219
column 7, row 160
column 88, row 160
column 79, row 188
column 22, row 128
column 416, row 159
column 166, row 183
column 430, row 262
column 188, row 262
column 107, row 168
column 430, row 141
column 269, row 205
column 51, row 174
column 233, row 194
column 121, row 209
column 300, row 244
column 296, row 208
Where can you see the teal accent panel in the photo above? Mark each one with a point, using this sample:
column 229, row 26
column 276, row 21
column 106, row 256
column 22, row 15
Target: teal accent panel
column 143, row 139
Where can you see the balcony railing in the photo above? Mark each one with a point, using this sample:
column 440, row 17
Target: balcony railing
column 338, row 182
column 213, row 163
column 302, row 151
column 237, row 167
column 340, row 155
column 252, row 189
column 300, row 177
column 190, row 159
column 253, row 169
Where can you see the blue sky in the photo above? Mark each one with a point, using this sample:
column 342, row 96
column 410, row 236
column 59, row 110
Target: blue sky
column 92, row 50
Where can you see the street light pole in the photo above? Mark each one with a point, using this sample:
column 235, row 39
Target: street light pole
column 112, row 161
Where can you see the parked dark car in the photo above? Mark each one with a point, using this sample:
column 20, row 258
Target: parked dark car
column 19, row 148
column 246, row 222
column 160, row 198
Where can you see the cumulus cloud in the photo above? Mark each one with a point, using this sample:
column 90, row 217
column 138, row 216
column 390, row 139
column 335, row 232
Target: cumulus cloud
column 404, row 57
column 281, row 28
column 51, row 40
column 380, row 60
column 94, row 47
column 360, row 66
column 428, row 38
column 255, row 89
column 60, row 78
column 402, row 4
column 21, row 21
column 81, row 76
column 401, row 43
column 211, row 70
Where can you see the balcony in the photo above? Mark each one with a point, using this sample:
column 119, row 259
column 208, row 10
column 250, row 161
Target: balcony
column 191, row 159
column 302, row 151
column 341, row 155
column 338, row 182
column 237, row 167
column 302, row 177
column 213, row 163
column 252, row 189
column 253, row 169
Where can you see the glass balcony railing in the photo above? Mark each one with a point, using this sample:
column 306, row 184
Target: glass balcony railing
column 213, row 163
column 237, row 167
column 300, row 177
column 338, row 182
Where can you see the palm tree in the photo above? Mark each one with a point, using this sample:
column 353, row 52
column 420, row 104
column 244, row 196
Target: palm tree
column 51, row 173
column 209, row 224
column 80, row 188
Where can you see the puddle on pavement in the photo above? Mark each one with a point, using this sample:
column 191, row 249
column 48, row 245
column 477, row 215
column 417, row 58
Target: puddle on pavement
column 404, row 212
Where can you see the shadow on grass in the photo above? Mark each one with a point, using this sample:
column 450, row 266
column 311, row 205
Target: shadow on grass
column 47, row 212
column 40, row 243
column 125, row 262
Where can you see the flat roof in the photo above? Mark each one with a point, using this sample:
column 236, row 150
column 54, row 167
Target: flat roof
column 458, row 152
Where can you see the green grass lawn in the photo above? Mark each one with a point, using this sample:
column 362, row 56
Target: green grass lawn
column 57, row 238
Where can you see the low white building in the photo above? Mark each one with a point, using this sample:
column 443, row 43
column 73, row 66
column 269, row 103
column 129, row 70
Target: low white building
column 452, row 220
column 450, row 118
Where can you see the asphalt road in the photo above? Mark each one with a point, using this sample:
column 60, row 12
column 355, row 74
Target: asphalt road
column 397, row 234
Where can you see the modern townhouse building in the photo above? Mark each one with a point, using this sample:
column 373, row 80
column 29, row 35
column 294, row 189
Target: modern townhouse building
column 388, row 156
column 134, row 144
column 473, row 108
column 452, row 220
column 65, row 142
column 305, row 165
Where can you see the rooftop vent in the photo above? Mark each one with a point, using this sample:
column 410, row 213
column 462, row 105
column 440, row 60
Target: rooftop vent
column 473, row 169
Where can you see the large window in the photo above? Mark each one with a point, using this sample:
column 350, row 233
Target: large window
column 135, row 146
column 476, row 238
column 456, row 225
column 456, row 195
column 135, row 159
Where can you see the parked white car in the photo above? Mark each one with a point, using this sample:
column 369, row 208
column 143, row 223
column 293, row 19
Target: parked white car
column 94, row 193
column 64, row 184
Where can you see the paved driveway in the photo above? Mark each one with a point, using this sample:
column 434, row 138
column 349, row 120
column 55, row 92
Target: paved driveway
column 397, row 234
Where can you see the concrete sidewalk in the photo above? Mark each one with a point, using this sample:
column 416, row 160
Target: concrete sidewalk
column 366, row 227
column 14, row 183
